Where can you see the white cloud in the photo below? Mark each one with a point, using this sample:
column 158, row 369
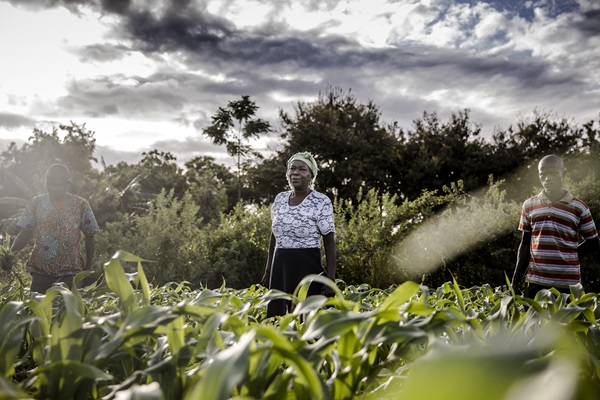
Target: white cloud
column 143, row 78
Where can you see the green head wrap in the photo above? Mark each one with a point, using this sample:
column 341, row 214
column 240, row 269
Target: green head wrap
column 307, row 158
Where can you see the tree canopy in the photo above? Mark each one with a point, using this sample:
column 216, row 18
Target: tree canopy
column 386, row 181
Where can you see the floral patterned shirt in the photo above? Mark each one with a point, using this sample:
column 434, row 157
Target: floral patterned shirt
column 301, row 226
column 57, row 234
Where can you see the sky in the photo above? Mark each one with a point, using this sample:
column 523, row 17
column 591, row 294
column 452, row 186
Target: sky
column 149, row 75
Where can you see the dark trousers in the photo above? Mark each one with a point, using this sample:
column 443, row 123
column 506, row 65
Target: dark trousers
column 533, row 288
column 41, row 283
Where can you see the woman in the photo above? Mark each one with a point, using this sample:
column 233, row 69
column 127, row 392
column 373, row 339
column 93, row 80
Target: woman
column 300, row 218
column 56, row 220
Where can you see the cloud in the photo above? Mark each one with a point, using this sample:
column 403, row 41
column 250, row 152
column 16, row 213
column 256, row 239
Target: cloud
column 590, row 22
column 102, row 52
column 5, row 143
column 12, row 121
column 192, row 147
column 498, row 58
column 116, row 6
column 113, row 156
column 152, row 97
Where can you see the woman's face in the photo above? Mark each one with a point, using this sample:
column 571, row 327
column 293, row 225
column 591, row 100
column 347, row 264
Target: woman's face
column 56, row 185
column 299, row 175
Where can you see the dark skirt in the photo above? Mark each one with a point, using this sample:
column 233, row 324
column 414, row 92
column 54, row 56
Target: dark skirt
column 289, row 267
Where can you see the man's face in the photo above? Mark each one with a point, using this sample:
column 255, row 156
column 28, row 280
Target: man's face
column 551, row 176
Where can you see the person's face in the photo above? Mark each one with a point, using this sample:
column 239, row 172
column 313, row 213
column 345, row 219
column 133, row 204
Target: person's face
column 56, row 185
column 299, row 175
column 551, row 175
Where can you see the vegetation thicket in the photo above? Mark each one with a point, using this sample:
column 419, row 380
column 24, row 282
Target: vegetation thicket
column 428, row 203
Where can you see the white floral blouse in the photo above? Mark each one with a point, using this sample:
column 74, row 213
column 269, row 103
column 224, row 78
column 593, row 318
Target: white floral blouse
column 301, row 226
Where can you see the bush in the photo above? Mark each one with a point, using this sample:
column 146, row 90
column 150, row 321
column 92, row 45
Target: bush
column 368, row 233
column 168, row 235
column 475, row 240
column 238, row 247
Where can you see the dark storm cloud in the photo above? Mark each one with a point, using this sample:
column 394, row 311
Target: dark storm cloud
column 211, row 42
column 214, row 44
column 590, row 23
column 12, row 121
column 212, row 39
column 116, row 6
column 176, row 28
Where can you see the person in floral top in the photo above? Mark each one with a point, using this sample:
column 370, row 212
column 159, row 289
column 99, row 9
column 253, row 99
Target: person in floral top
column 301, row 219
column 56, row 220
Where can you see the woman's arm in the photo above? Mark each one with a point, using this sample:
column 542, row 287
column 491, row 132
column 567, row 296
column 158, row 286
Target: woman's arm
column 23, row 237
column 90, row 248
column 267, row 276
column 330, row 255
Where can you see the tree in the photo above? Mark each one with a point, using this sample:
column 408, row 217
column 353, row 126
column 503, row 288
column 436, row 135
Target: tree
column 354, row 151
column 223, row 131
column 517, row 150
column 22, row 169
column 210, row 186
column 75, row 149
column 435, row 154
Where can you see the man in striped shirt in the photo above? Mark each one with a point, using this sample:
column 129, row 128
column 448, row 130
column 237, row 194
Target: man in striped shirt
column 553, row 224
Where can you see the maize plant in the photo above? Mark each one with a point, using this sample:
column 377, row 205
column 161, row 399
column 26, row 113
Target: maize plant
column 123, row 338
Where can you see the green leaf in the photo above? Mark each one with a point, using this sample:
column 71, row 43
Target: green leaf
column 333, row 324
column 223, row 372
column 117, row 281
column 400, row 296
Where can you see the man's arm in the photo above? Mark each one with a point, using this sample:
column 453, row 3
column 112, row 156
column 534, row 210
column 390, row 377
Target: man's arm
column 90, row 248
column 23, row 237
column 588, row 246
column 522, row 258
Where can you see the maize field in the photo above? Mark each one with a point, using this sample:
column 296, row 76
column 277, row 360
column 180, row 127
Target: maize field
column 121, row 338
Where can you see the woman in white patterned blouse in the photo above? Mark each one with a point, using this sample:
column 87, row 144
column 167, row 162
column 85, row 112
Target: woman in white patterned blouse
column 301, row 217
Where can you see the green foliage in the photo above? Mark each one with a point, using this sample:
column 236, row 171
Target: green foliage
column 474, row 240
column 238, row 247
column 72, row 145
column 211, row 186
column 368, row 232
column 223, row 131
column 435, row 154
column 167, row 234
column 347, row 139
column 126, row 338
column 382, row 235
